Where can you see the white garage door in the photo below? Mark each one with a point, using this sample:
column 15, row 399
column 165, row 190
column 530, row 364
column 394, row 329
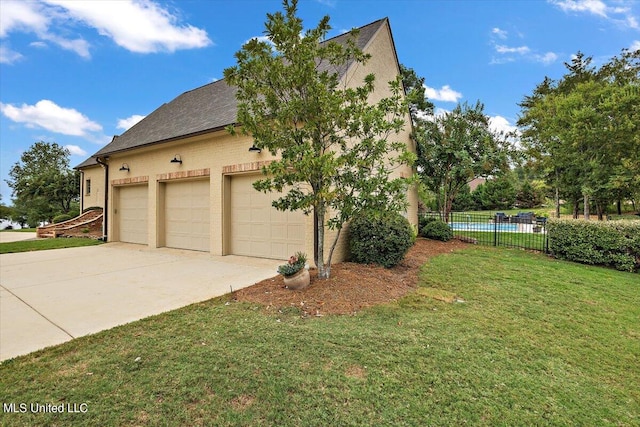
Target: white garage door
column 257, row 228
column 132, row 214
column 187, row 215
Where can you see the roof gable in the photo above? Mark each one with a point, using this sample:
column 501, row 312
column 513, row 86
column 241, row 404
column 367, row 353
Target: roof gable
column 205, row 109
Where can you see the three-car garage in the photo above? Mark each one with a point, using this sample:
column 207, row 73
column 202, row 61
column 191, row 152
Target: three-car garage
column 250, row 225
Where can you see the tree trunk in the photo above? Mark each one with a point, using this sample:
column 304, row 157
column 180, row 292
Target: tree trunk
column 619, row 206
column 586, row 206
column 600, row 211
column 323, row 271
column 557, row 202
column 576, row 206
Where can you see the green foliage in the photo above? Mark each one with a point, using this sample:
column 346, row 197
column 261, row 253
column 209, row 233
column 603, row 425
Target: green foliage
column 380, row 238
column 497, row 193
column 43, row 184
column 92, row 208
column 528, row 196
column 335, row 149
column 61, row 218
column 423, row 220
column 612, row 243
column 296, row 263
column 416, row 93
column 456, row 147
column 437, row 230
column 464, row 200
column 583, row 130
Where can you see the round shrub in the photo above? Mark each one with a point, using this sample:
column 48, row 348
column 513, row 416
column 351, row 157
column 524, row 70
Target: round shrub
column 423, row 220
column 61, row 218
column 438, row 230
column 380, row 238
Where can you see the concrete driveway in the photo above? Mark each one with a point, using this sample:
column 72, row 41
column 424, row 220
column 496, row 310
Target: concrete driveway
column 16, row 236
column 49, row 297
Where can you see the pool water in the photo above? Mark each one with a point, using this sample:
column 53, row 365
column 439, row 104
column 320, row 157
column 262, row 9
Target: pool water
column 483, row 226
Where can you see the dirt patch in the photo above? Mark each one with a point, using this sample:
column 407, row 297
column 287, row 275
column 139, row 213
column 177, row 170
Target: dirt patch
column 351, row 287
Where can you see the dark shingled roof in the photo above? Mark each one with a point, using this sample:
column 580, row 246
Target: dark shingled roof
column 207, row 108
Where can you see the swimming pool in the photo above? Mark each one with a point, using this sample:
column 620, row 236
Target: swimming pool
column 483, row 226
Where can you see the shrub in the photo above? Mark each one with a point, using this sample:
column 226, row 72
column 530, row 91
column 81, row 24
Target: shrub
column 612, row 243
column 380, row 238
column 61, row 218
column 438, row 230
column 92, row 208
column 423, row 220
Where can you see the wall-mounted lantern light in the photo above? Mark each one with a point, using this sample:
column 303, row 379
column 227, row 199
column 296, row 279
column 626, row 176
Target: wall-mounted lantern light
column 125, row 167
column 176, row 159
column 255, row 149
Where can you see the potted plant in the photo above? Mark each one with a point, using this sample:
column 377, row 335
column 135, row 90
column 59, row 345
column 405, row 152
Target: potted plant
column 296, row 272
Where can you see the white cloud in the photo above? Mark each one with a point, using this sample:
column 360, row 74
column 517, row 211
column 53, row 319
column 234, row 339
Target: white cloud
column 33, row 17
column 48, row 115
column 635, row 45
column 595, row 7
column 620, row 15
column 445, row 94
column 502, row 34
column 521, row 50
column 547, row 58
column 75, row 150
column 510, row 54
column 500, row 124
column 8, row 56
column 129, row 121
column 139, row 26
column 264, row 39
column 20, row 16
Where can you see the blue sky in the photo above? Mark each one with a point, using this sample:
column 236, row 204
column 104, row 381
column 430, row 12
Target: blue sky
column 78, row 72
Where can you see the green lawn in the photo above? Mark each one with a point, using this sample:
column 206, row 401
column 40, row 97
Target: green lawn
column 530, row 341
column 535, row 241
column 44, row 244
column 19, row 230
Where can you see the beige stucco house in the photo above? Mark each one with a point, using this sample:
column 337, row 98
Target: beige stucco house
column 178, row 179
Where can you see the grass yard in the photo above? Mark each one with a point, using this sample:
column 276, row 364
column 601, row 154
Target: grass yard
column 535, row 241
column 44, row 244
column 491, row 337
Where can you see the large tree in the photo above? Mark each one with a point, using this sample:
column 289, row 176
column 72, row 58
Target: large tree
column 335, row 157
column 585, row 130
column 455, row 148
column 43, row 184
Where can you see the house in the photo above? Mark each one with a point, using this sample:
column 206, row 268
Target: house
column 178, row 179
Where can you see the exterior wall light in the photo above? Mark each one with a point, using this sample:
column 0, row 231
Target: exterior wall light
column 255, row 149
column 176, row 159
column 125, row 167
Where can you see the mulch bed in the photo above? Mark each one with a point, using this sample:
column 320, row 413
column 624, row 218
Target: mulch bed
column 351, row 286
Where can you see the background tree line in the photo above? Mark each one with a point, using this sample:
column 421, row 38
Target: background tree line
column 43, row 185
column 579, row 141
column 582, row 132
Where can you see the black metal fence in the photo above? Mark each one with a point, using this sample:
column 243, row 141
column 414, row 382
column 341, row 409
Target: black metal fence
column 523, row 230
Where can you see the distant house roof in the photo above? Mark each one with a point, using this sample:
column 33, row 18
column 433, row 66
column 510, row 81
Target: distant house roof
column 205, row 109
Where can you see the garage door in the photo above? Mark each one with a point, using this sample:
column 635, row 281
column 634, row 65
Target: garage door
column 187, row 215
column 132, row 214
column 257, row 228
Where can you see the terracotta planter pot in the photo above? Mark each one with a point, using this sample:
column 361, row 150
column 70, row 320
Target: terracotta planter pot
column 298, row 281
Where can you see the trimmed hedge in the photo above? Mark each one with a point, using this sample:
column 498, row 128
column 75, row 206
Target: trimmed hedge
column 611, row 243
column 380, row 238
column 437, row 230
